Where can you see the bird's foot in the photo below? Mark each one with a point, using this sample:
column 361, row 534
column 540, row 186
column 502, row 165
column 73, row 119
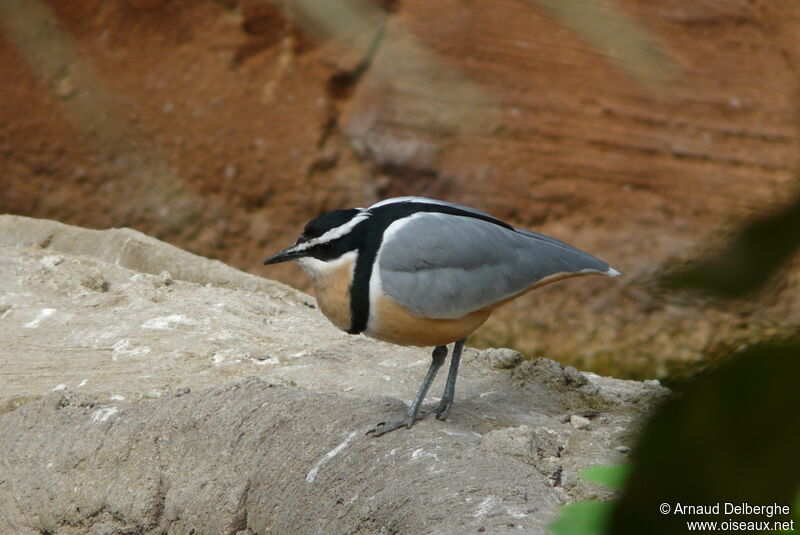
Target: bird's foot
column 442, row 410
column 381, row 428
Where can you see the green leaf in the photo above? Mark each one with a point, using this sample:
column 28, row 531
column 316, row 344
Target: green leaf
column 796, row 512
column 750, row 259
column 583, row 518
column 796, row 508
column 610, row 476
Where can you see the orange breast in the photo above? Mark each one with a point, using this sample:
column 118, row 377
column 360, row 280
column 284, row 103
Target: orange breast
column 393, row 323
column 333, row 294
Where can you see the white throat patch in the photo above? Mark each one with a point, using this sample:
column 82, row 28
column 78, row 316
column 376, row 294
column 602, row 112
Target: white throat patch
column 317, row 268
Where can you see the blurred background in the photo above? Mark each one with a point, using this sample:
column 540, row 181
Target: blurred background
column 642, row 132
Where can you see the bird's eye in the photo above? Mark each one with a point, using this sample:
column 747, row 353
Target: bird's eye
column 326, row 246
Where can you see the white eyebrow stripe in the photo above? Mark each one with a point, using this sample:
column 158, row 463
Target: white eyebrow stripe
column 334, row 233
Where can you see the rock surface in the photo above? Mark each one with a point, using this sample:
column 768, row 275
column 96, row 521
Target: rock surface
column 160, row 392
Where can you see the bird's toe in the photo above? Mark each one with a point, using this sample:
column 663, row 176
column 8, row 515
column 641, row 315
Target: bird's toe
column 382, row 428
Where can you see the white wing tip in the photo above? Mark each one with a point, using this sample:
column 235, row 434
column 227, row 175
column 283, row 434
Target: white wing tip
column 611, row 272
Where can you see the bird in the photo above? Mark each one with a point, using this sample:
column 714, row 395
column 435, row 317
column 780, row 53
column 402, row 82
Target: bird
column 415, row 271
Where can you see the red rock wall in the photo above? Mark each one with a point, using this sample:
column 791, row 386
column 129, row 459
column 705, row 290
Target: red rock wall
column 222, row 126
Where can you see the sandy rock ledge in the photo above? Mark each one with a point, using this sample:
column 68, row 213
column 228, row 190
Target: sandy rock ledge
column 161, row 392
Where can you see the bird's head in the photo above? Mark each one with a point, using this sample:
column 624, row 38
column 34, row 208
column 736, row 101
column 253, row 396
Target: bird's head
column 325, row 239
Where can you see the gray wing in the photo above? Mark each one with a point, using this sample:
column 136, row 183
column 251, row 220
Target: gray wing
column 446, row 266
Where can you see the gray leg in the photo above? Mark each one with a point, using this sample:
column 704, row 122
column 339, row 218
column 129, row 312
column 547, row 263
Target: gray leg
column 437, row 359
column 446, row 404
